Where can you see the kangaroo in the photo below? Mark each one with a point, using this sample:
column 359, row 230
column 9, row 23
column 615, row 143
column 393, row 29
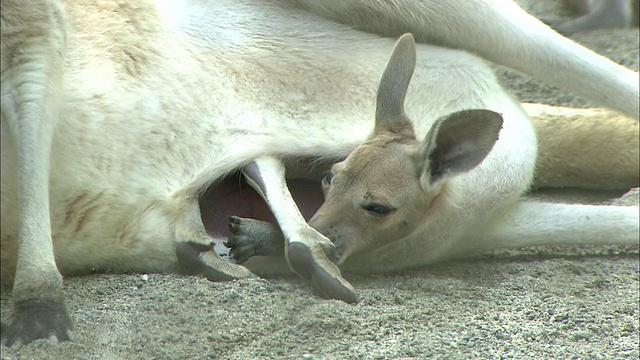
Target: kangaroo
column 400, row 201
column 118, row 118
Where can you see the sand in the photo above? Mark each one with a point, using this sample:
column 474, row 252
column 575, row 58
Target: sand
column 545, row 302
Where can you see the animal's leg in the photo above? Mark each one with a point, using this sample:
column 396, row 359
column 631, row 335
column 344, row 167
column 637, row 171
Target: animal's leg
column 33, row 40
column 499, row 31
column 196, row 254
column 531, row 223
column 196, row 258
column 305, row 249
column 605, row 14
column 588, row 148
column 252, row 238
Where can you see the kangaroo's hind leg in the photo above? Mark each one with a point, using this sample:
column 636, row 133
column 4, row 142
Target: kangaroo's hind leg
column 586, row 148
column 33, row 41
column 605, row 14
column 499, row 31
column 196, row 253
column 532, row 223
column 305, row 249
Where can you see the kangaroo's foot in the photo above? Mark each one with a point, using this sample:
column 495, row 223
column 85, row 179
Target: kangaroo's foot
column 311, row 260
column 308, row 258
column 38, row 314
column 196, row 258
column 305, row 249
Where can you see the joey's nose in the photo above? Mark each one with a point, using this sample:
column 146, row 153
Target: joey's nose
column 332, row 232
column 322, row 222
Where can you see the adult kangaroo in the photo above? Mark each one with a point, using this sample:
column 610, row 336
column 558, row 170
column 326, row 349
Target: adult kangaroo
column 118, row 116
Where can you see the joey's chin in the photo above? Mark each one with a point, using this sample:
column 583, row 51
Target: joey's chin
column 346, row 247
column 342, row 250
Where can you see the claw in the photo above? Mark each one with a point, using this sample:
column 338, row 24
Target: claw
column 234, row 223
column 37, row 319
column 252, row 237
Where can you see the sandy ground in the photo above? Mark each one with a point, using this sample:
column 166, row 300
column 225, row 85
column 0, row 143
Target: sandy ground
column 542, row 302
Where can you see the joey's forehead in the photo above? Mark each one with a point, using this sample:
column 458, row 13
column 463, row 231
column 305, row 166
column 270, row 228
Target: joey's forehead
column 385, row 178
column 395, row 164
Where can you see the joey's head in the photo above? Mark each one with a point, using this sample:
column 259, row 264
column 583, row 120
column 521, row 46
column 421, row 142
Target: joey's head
column 384, row 189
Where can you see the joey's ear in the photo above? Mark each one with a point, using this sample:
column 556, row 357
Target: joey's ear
column 459, row 142
column 393, row 87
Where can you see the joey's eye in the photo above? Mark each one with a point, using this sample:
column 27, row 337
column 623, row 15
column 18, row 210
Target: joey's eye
column 377, row 209
column 327, row 178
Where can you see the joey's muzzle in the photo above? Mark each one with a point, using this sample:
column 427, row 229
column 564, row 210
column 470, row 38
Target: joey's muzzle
column 333, row 231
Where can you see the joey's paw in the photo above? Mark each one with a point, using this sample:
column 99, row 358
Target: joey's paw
column 253, row 237
column 241, row 243
column 196, row 258
column 37, row 319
